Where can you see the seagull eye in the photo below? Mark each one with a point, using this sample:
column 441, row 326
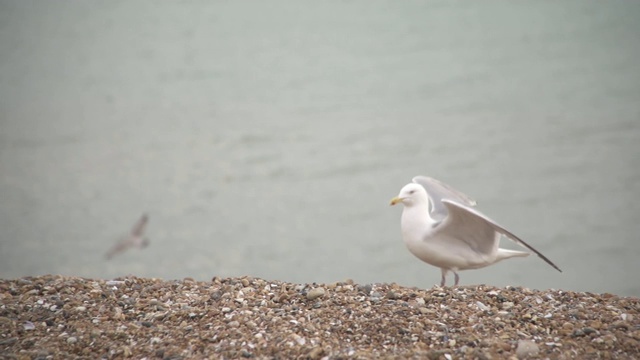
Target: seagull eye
column 411, row 192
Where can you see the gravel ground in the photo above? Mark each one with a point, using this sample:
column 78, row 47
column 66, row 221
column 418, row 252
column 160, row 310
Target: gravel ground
column 56, row 317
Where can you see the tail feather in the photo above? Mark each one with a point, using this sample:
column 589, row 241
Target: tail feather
column 506, row 254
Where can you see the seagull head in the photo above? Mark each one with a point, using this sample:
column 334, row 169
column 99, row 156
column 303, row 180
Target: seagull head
column 411, row 194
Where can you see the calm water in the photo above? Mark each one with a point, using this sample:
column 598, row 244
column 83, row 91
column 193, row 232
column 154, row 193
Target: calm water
column 266, row 138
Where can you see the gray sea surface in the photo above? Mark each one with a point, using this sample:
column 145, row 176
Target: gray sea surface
column 266, row 138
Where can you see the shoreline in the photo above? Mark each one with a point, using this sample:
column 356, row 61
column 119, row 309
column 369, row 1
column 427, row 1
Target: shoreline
column 70, row 317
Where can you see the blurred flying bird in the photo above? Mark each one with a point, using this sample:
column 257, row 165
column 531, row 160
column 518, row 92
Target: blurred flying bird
column 134, row 239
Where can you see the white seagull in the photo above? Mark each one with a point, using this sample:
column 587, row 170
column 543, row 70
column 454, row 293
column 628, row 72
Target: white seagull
column 134, row 239
column 440, row 227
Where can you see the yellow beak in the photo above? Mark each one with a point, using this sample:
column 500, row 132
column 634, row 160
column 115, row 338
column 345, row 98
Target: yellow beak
column 395, row 200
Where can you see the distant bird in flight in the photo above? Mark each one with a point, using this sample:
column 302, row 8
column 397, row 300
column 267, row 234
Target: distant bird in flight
column 134, row 239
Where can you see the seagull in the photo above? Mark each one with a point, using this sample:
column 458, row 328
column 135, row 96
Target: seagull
column 440, row 227
column 134, row 239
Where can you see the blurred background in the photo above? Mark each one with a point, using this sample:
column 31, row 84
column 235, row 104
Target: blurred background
column 267, row 138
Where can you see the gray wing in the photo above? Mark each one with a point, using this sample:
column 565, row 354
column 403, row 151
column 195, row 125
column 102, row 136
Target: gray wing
column 467, row 222
column 478, row 233
column 121, row 246
column 138, row 228
column 437, row 190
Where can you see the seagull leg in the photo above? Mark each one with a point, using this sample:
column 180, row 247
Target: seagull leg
column 444, row 274
column 457, row 278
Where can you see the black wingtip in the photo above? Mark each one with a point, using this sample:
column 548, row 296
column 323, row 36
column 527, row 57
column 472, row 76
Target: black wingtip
column 549, row 262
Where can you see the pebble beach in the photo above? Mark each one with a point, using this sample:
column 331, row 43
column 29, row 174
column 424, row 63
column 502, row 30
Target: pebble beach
column 56, row 317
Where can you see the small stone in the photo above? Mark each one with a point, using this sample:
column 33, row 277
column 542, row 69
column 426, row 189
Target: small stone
column 316, row 353
column 72, row 340
column 366, row 289
column 393, row 295
column 315, row 293
column 81, row 308
column 620, row 325
column 504, row 346
column 527, row 349
column 11, row 341
column 609, row 340
column 251, row 324
column 482, row 306
column 299, row 339
column 424, row 310
column 215, row 295
column 507, row 305
column 596, row 324
column 577, row 333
